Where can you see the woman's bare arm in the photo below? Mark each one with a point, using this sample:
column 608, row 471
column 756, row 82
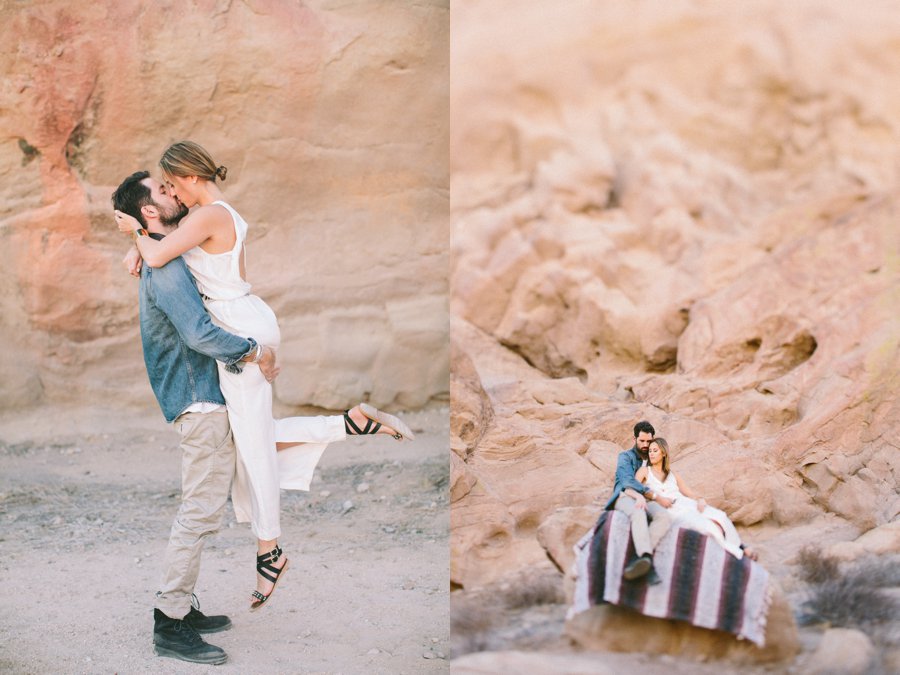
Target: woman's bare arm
column 194, row 230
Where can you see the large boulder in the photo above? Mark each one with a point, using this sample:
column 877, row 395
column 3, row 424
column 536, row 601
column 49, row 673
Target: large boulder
column 616, row 629
column 841, row 651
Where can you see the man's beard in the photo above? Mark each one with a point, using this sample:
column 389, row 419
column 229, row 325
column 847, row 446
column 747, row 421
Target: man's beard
column 172, row 219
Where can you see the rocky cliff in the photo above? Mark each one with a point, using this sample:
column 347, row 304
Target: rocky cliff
column 332, row 119
column 687, row 213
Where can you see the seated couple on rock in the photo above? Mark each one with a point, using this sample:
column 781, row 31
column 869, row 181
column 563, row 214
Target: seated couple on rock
column 655, row 498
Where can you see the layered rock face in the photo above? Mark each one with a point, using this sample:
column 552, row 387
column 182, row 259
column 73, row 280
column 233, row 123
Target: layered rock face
column 332, row 120
column 685, row 214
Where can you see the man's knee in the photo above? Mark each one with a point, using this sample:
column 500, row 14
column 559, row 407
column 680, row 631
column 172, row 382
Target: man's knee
column 625, row 504
column 200, row 522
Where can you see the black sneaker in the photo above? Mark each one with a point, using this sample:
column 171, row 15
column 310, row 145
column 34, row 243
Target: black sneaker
column 653, row 577
column 203, row 623
column 638, row 567
column 179, row 640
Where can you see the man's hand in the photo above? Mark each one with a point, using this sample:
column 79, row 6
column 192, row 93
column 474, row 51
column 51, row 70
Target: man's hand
column 133, row 262
column 267, row 365
column 664, row 502
column 640, row 503
column 701, row 504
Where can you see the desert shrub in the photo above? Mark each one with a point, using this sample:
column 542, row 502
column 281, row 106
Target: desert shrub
column 849, row 595
column 471, row 622
column 816, row 567
column 846, row 603
column 531, row 589
column 882, row 572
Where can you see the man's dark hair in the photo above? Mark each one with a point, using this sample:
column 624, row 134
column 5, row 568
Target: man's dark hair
column 132, row 195
column 644, row 426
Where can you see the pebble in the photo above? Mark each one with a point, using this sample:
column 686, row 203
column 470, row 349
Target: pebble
column 325, row 493
column 435, row 640
column 389, row 530
column 369, row 474
column 372, row 652
column 362, row 487
column 428, row 655
column 346, row 506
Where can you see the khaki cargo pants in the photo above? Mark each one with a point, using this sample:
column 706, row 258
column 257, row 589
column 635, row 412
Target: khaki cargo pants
column 207, row 467
column 645, row 535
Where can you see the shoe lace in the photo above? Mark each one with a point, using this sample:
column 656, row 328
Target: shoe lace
column 192, row 635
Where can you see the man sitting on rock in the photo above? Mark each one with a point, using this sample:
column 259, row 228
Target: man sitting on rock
column 643, row 507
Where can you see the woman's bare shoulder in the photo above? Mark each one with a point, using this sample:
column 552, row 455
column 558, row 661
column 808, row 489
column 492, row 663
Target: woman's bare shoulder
column 211, row 215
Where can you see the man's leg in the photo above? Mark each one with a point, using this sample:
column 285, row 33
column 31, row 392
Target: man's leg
column 660, row 522
column 640, row 531
column 207, row 467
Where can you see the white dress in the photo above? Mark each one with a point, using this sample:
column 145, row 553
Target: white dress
column 684, row 512
column 260, row 470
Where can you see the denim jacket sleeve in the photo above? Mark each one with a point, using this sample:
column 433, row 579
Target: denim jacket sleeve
column 171, row 288
column 625, row 470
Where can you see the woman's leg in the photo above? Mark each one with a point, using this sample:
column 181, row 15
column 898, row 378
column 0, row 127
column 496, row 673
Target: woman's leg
column 731, row 536
column 316, row 430
column 256, row 490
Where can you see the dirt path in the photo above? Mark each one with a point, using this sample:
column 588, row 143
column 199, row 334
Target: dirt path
column 84, row 518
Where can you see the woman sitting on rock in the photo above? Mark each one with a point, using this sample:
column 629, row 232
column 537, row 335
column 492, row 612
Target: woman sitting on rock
column 687, row 509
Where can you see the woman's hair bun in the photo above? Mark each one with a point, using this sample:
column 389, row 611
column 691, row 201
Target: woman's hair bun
column 221, row 172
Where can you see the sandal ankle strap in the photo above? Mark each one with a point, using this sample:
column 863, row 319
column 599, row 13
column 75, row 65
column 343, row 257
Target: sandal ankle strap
column 270, row 556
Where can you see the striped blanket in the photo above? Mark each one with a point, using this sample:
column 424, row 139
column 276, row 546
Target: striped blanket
column 701, row 583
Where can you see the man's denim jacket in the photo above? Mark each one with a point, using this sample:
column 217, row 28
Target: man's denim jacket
column 626, row 466
column 181, row 343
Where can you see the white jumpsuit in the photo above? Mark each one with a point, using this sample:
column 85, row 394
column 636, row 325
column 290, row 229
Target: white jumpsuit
column 684, row 512
column 260, row 470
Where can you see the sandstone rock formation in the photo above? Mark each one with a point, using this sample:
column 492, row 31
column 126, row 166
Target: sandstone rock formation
column 614, row 629
column 686, row 214
column 332, row 120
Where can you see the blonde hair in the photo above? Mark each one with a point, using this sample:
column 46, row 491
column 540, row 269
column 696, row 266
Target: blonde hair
column 187, row 158
column 664, row 446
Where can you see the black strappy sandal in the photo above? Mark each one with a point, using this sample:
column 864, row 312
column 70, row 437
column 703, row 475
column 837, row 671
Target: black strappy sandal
column 265, row 567
column 375, row 418
column 353, row 430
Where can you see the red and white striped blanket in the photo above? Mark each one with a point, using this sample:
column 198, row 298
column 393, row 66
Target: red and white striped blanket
column 701, row 583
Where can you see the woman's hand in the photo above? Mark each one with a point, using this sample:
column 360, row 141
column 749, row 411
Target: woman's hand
column 127, row 224
column 701, row 504
column 664, row 502
column 133, row 262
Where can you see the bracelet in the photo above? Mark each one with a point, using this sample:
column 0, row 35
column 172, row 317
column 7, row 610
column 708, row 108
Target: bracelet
column 258, row 355
column 140, row 232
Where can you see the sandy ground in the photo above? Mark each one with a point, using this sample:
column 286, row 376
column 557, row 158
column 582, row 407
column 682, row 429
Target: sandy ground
column 86, row 502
